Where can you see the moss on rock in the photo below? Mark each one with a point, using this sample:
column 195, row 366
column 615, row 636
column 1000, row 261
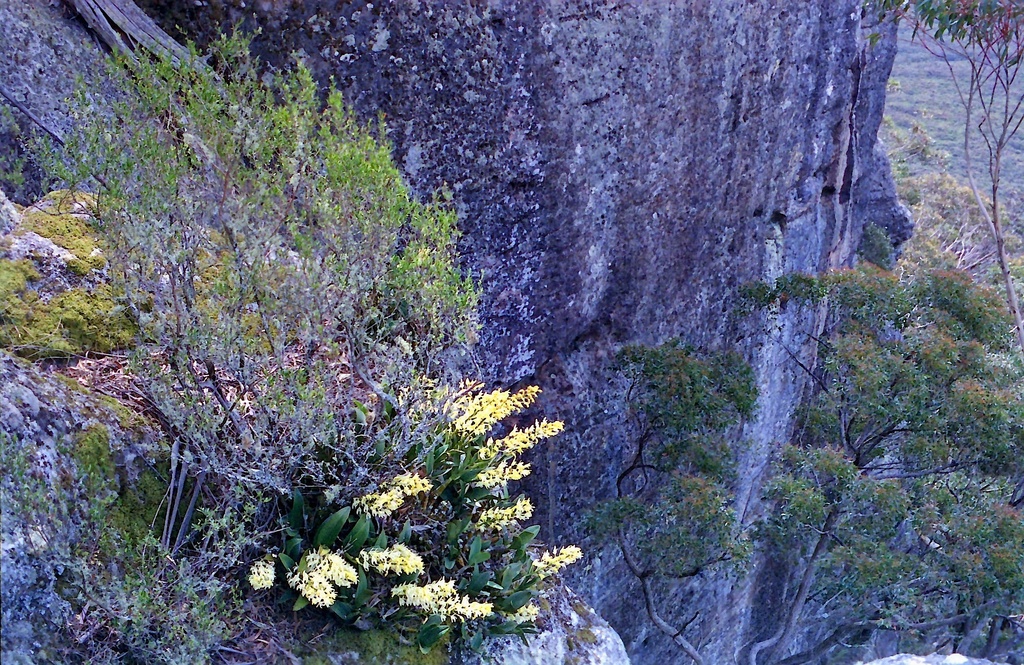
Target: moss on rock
column 58, row 218
column 137, row 508
column 14, row 278
column 73, row 322
column 127, row 511
column 92, row 454
column 372, row 647
column 79, row 316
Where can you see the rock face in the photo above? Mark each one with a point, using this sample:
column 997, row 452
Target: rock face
column 571, row 632
column 53, row 437
column 622, row 170
column 42, row 51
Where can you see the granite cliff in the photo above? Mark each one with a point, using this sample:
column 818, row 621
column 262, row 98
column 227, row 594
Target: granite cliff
column 621, row 171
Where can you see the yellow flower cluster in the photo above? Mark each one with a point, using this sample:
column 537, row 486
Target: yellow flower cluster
column 476, row 412
column 528, row 612
column 507, row 471
column 397, row 559
column 499, row 518
column 443, row 599
column 553, row 561
column 520, row 440
column 261, row 575
column 319, row 573
column 387, row 501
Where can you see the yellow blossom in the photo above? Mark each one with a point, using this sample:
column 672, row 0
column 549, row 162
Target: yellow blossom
column 314, row 587
column 319, row 573
column 390, row 498
column 476, row 413
column 528, row 612
column 397, row 559
column 499, row 518
column 502, row 474
column 261, row 575
column 410, row 484
column 443, row 599
column 553, row 561
column 520, row 440
column 337, row 570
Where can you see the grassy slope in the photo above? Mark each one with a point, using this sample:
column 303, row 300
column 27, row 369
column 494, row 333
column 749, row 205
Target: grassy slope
column 922, row 91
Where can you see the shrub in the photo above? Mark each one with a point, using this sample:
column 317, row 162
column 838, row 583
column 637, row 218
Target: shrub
column 296, row 308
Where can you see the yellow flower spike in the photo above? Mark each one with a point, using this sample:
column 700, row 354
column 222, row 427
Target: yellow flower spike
column 478, row 413
column 314, row 587
column 383, row 504
column 337, row 570
column 397, row 559
column 528, row 612
column 502, row 474
column 500, row 518
column 552, row 562
column 443, row 599
column 324, row 572
column 521, row 440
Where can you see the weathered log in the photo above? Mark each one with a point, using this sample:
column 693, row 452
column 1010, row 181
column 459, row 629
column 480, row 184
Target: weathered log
column 124, row 27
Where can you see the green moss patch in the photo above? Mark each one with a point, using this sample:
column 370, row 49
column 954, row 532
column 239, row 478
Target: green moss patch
column 72, row 323
column 126, row 511
column 55, row 220
column 137, row 508
column 375, row 647
column 92, row 454
column 14, row 278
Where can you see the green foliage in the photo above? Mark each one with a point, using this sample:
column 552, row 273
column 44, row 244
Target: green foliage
column 270, row 253
column 904, row 463
column 440, row 549
column 12, row 161
column 688, row 400
column 293, row 303
column 673, row 502
column 793, row 286
column 876, row 248
column 970, row 21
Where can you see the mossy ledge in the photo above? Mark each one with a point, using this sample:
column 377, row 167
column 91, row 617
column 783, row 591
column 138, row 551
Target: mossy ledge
column 78, row 320
column 62, row 217
column 370, row 647
column 71, row 323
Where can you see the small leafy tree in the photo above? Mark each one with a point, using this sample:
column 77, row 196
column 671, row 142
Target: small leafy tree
column 899, row 489
column 279, row 270
column 672, row 518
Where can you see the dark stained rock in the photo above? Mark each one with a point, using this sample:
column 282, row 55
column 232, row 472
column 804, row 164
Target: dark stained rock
column 43, row 50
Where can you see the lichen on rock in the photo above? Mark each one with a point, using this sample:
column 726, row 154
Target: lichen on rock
column 64, row 454
column 571, row 633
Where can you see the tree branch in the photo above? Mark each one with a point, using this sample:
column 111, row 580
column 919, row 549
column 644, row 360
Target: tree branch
column 645, row 586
